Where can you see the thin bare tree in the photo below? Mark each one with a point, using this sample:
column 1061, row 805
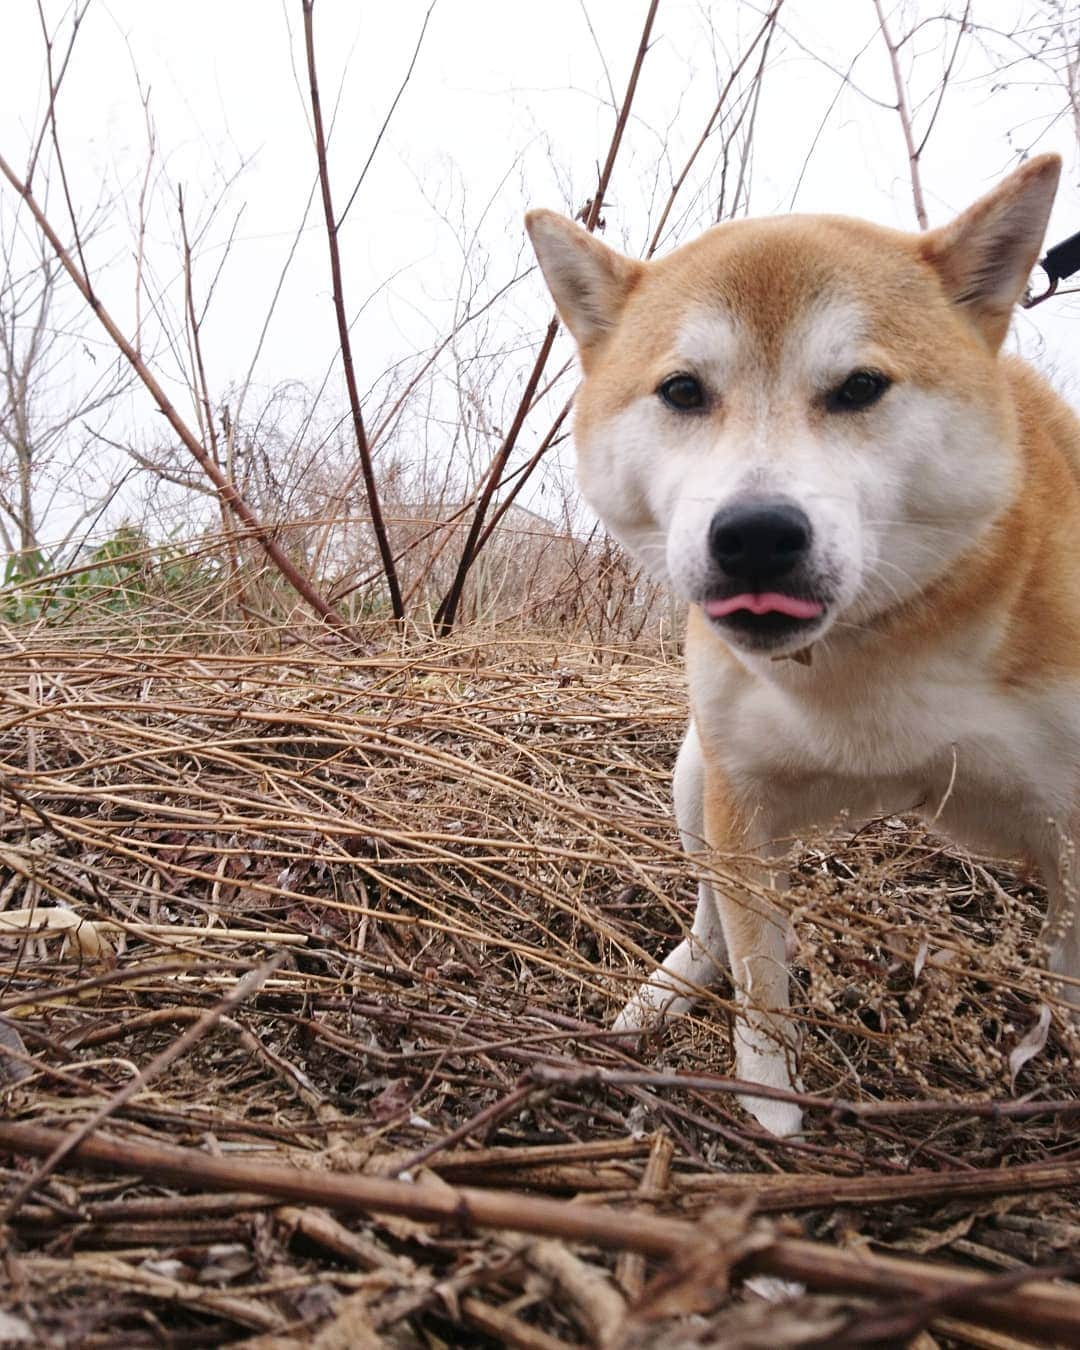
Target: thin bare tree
column 72, row 259
column 44, row 404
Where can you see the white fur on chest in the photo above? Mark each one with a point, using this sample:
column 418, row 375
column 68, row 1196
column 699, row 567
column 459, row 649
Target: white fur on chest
column 938, row 737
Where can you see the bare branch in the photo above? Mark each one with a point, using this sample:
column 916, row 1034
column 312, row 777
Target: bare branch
column 721, row 102
column 904, row 113
column 386, row 120
column 1023, row 1300
column 446, row 614
column 345, row 342
column 946, row 74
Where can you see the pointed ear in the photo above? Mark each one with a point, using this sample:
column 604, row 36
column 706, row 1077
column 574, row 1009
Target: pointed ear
column 984, row 258
column 588, row 281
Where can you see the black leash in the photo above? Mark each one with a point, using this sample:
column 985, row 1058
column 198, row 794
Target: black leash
column 1060, row 262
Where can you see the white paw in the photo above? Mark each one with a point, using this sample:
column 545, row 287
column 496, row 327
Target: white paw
column 774, row 1290
column 636, row 1018
column 760, row 1060
column 780, row 1118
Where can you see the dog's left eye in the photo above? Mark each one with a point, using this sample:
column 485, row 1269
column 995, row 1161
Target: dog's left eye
column 859, row 390
column 683, row 393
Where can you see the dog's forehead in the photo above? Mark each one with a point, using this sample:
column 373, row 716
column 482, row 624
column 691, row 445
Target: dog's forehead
column 824, row 337
column 790, row 290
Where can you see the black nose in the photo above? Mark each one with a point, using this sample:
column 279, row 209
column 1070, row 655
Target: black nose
column 759, row 541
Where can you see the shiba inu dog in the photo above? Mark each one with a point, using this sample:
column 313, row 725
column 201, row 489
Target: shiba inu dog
column 805, row 426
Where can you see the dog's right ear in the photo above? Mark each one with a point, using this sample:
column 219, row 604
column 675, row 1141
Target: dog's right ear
column 588, row 281
column 985, row 257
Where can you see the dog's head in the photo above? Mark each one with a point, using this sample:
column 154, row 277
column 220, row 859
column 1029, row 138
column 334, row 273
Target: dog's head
column 801, row 421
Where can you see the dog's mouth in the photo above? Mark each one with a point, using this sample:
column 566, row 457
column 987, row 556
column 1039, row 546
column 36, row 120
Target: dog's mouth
column 767, row 619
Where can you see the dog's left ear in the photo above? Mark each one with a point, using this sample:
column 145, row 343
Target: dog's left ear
column 985, row 257
column 588, row 281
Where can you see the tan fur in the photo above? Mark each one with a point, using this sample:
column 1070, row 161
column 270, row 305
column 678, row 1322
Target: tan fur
column 767, row 273
column 951, row 680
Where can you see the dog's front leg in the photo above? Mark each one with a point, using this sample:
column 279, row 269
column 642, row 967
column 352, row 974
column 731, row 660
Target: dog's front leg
column 733, row 925
column 756, row 935
column 699, row 960
column 675, row 986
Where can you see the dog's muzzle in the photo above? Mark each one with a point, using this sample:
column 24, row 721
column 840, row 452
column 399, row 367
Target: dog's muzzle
column 761, row 591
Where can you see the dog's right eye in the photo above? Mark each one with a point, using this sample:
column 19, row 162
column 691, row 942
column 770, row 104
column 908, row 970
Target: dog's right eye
column 859, row 390
column 683, row 393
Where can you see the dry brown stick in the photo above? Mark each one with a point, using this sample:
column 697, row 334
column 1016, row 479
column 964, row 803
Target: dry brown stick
column 202, row 391
column 363, row 449
column 446, row 614
column 980, row 1337
column 848, row 1112
column 320, row 1227
column 132, row 975
column 502, row 1106
column 226, row 490
column 55, row 81
column 149, row 1233
column 66, row 1144
column 786, row 1191
column 630, row 1267
column 254, row 1312
column 50, row 116
column 946, row 74
column 590, row 1181
column 507, row 1329
column 586, row 1290
column 766, row 26
column 293, row 1078
column 902, row 1320
column 523, row 475
column 471, row 1161
column 1036, row 1308
column 158, row 1208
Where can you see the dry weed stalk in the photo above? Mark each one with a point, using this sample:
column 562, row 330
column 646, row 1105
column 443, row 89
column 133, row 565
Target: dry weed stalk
column 225, row 489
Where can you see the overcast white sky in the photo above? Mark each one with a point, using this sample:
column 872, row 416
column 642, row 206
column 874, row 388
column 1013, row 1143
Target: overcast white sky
column 509, row 106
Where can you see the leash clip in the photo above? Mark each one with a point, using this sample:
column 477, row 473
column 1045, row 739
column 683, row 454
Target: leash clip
column 1060, row 262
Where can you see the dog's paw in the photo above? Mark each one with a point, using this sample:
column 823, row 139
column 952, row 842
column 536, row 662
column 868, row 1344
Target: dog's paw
column 782, row 1119
column 637, row 1017
column 774, row 1290
column 769, row 1068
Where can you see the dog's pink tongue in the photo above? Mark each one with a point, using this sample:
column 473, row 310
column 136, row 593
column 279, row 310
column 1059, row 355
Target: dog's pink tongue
column 768, row 602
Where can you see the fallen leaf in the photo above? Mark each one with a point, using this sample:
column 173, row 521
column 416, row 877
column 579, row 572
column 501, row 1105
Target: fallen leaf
column 43, row 922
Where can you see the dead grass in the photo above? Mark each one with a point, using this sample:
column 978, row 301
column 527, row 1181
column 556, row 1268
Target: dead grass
column 461, row 855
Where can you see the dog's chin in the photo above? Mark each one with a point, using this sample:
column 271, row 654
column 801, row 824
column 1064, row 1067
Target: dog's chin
column 771, row 634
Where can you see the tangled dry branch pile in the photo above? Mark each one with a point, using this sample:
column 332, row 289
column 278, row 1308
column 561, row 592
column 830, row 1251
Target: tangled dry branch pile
column 349, row 932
